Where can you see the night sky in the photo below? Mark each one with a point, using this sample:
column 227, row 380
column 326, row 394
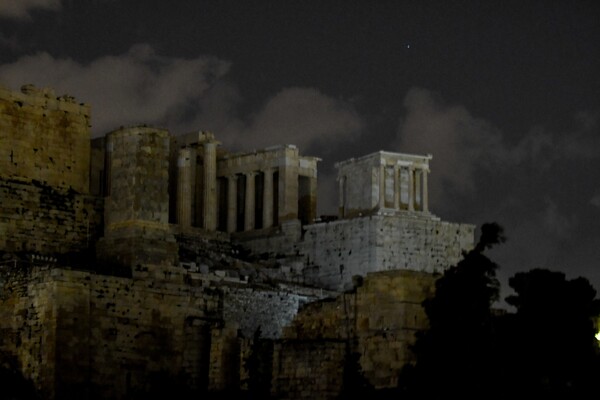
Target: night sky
column 504, row 94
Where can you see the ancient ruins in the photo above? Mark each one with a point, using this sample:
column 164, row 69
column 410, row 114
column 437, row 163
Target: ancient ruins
column 144, row 253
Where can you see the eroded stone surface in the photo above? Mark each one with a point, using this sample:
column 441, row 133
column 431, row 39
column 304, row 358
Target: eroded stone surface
column 144, row 253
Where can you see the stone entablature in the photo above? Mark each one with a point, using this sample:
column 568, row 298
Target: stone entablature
column 383, row 182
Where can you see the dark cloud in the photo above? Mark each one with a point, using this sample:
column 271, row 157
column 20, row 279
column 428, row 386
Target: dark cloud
column 139, row 87
column 537, row 187
column 463, row 144
column 20, row 9
column 505, row 98
column 304, row 117
column 308, row 119
column 10, row 43
column 182, row 95
column 459, row 142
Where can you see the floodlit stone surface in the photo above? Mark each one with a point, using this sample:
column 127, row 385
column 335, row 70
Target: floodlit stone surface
column 144, row 254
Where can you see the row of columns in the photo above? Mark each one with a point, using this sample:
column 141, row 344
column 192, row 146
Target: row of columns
column 185, row 192
column 186, row 165
column 249, row 200
column 416, row 176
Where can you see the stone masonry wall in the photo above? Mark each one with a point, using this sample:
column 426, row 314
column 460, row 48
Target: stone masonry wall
column 253, row 308
column 389, row 312
column 336, row 251
column 378, row 320
column 308, row 369
column 28, row 324
column 139, row 176
column 45, row 220
column 278, row 241
column 137, row 209
column 44, row 137
column 96, row 336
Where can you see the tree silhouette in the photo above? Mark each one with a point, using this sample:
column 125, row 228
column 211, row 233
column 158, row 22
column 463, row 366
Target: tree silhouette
column 14, row 386
column 354, row 383
column 551, row 337
column 457, row 352
column 546, row 349
column 259, row 368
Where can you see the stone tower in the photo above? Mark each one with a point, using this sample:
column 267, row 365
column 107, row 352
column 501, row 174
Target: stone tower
column 137, row 206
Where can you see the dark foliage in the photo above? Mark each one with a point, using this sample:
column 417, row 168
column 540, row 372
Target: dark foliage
column 14, row 386
column 354, row 385
column 259, row 368
column 456, row 352
column 551, row 336
column 545, row 350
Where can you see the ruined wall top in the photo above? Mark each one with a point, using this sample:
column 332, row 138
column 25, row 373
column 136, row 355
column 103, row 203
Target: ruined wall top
column 194, row 139
column 45, row 98
column 44, row 138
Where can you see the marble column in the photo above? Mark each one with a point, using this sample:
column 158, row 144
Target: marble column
column 342, row 196
column 186, row 164
column 250, row 205
column 418, row 196
column 396, row 187
column 210, row 186
column 425, row 198
column 288, row 189
column 268, row 198
column 232, row 203
column 411, row 189
column 382, row 186
column 312, row 212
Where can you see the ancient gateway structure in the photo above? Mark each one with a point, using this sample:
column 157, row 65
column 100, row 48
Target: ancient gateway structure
column 143, row 257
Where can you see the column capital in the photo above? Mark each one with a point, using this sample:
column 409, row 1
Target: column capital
column 268, row 170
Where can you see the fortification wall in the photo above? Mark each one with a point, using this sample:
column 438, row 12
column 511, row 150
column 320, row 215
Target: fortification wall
column 378, row 320
column 137, row 207
column 278, row 241
column 336, row 251
column 83, row 335
column 37, row 218
column 28, row 325
column 44, row 174
column 269, row 310
column 139, row 176
column 44, row 138
column 308, row 369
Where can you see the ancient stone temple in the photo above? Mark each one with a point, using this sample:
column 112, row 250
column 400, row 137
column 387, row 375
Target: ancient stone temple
column 145, row 255
column 383, row 182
